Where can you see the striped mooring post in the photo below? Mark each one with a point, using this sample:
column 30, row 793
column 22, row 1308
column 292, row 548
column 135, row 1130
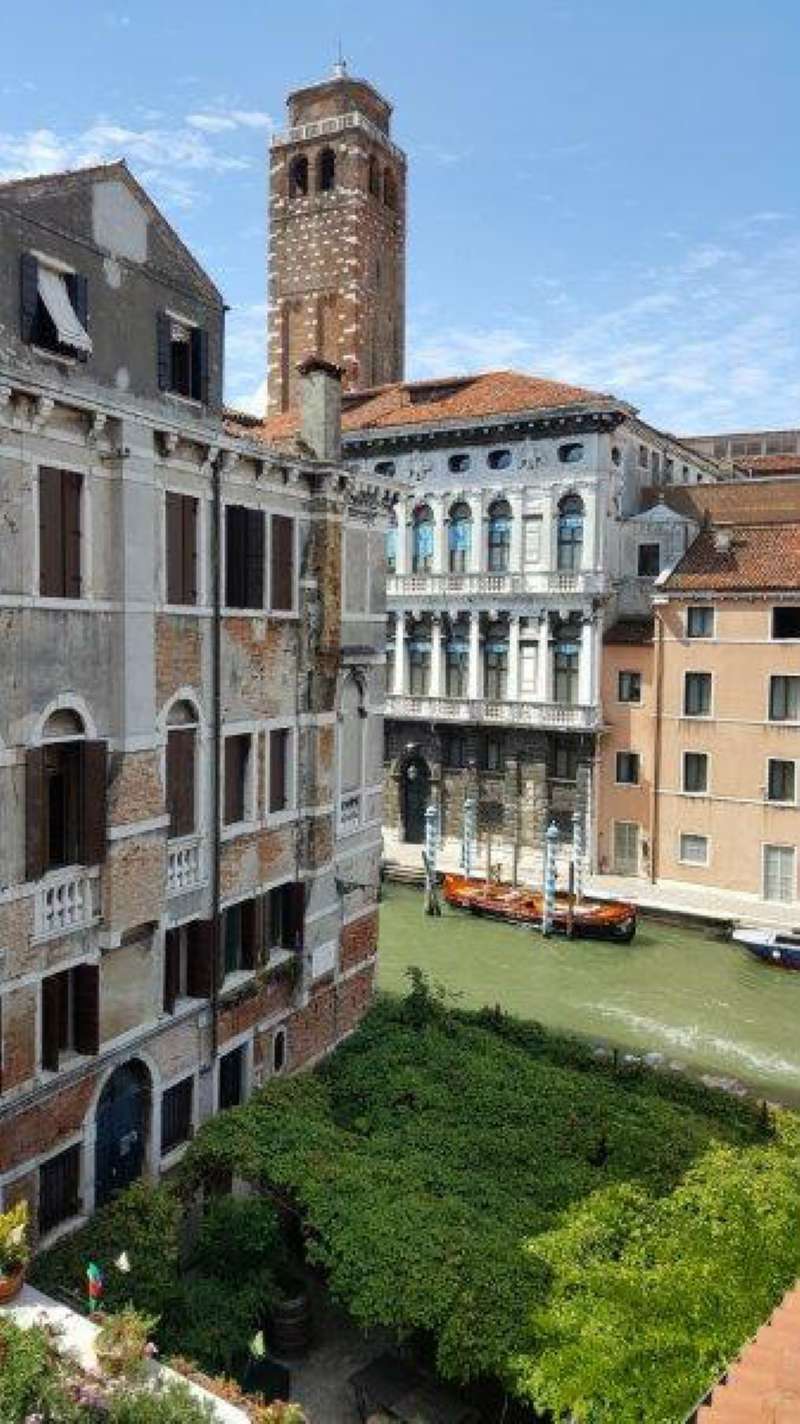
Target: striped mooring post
column 578, row 854
column 468, row 835
column 432, row 906
column 549, row 897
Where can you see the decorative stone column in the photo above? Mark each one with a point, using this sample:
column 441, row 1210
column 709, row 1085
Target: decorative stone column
column 515, row 500
column 589, row 554
column 439, row 536
column 435, row 685
column 586, row 674
column 544, row 670
column 402, row 561
column 475, row 674
column 477, row 557
column 512, row 690
column 399, row 688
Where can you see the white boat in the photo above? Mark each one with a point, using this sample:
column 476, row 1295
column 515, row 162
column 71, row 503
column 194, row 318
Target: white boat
column 780, row 947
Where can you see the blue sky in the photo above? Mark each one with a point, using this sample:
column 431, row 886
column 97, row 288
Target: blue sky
column 604, row 191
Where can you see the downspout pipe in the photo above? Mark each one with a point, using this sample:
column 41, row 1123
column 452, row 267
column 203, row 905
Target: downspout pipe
column 216, row 741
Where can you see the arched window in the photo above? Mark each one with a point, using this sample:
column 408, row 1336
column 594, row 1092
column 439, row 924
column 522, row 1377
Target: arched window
column 459, row 538
column 570, row 533
column 391, row 544
column 298, row 177
column 351, row 757
column 326, row 171
column 457, row 660
column 499, row 536
column 374, row 177
column 495, row 662
column 458, row 462
column 566, row 653
column 419, row 660
column 181, row 769
column 422, row 540
column 66, row 797
column 389, row 188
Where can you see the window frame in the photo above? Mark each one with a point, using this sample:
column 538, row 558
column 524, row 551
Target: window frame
column 289, row 811
column 686, row 790
column 783, row 677
column 699, row 836
column 254, row 609
column 198, row 396
column 775, row 637
column 199, row 544
column 175, row 1147
column 66, row 355
column 701, row 608
column 635, row 762
column 698, row 672
column 629, row 701
column 640, row 547
column 777, row 845
column 781, row 801
column 48, row 1231
column 229, row 829
column 49, row 600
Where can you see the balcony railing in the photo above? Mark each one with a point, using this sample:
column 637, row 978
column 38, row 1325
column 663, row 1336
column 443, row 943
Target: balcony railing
column 184, row 865
column 338, row 123
column 66, row 900
column 526, row 714
column 505, row 585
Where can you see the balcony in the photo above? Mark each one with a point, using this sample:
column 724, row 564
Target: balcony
column 184, row 865
column 66, row 900
column 507, row 585
column 521, row 714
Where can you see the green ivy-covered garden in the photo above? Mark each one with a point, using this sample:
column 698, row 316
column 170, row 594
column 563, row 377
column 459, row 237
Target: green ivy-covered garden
column 601, row 1240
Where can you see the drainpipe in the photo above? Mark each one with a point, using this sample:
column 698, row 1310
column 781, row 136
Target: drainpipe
column 216, row 742
column 658, row 674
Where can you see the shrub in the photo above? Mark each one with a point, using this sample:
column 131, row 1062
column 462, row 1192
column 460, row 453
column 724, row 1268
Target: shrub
column 31, row 1377
column 14, row 1249
column 172, row 1403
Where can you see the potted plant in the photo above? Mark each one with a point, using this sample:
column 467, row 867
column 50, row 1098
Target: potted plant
column 14, row 1250
column 123, row 1345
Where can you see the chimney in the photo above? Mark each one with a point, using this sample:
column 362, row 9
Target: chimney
column 722, row 541
column 321, row 408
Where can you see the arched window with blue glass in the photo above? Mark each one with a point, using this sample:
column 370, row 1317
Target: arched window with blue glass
column 499, row 536
column 570, row 534
column 566, row 655
column 419, row 660
column 495, row 662
column 391, row 544
column 459, row 538
column 422, row 540
column 456, row 659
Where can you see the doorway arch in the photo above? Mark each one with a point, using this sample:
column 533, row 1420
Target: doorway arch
column 122, row 1129
column 416, row 798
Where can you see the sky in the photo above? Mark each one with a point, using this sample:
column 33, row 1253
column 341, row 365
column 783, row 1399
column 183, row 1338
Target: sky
column 605, row 192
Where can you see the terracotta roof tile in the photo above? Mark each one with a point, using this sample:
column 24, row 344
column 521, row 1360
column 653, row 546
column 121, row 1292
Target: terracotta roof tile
column 731, row 501
column 772, row 464
column 756, row 556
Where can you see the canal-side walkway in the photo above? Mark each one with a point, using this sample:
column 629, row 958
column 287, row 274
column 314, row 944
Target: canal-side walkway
column 700, row 903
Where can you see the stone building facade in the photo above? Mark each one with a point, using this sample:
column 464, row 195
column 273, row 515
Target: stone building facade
column 337, row 238
column 190, row 713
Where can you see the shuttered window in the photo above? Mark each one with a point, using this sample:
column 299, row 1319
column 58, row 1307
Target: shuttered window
column 59, row 1187
column 176, row 1115
column 172, row 969
column 181, row 781
column 285, row 916
column 279, row 769
column 282, row 564
column 244, row 557
column 181, row 513
column 65, row 806
column 237, row 764
column 182, row 358
column 70, row 1014
column 59, row 533
column 200, row 941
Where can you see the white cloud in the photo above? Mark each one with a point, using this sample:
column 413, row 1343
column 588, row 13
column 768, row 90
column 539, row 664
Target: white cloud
column 246, row 359
column 210, row 123
column 225, row 120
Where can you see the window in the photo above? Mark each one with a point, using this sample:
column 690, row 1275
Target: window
column 695, row 772
column 643, row 458
column 570, row 454
column 281, row 558
column 244, row 557
column 669, row 470
column 419, row 666
column 351, row 736
column 280, row 770
column 285, row 914
column 784, row 699
column 298, row 177
column 499, row 536
column 60, row 533
column 498, row 459
column 65, row 798
column 565, row 759
column 649, row 560
column 458, row 463
column 422, row 540
column 385, row 468
column 786, row 621
column 781, row 780
column 629, row 687
column 570, row 534
column 279, row 1050
column 456, row 664
column 699, row 622
column 693, row 849
column 70, row 1014
column 565, row 664
column 459, row 538
column 238, row 754
column 182, row 357
column 455, row 750
column 528, row 670
column 54, row 309
column 176, row 1115
column 627, row 773
column 241, row 937
column 181, row 514
column 779, row 873
column 188, row 963
column 495, row 663
column 532, row 540
column 493, row 756
column 231, row 1079
column 616, row 455
column 697, row 694
column 180, row 777
column 655, row 463
column 326, row 171
column 59, row 1187
column 391, row 545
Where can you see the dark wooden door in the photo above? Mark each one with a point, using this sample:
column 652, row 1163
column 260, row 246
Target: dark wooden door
column 416, row 795
column 120, row 1132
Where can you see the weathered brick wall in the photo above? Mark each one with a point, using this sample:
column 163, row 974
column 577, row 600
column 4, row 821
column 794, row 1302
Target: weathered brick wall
column 133, row 877
column 330, row 1015
column 19, row 1036
column 359, row 940
column 179, row 660
column 135, row 791
column 39, row 1128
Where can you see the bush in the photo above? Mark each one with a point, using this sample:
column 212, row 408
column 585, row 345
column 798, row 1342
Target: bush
column 173, row 1403
column 31, row 1379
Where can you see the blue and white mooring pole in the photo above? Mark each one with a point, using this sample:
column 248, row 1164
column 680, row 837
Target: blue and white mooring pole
column 549, row 897
column 578, row 852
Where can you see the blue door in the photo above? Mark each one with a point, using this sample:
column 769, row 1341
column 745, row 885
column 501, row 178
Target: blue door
column 120, row 1126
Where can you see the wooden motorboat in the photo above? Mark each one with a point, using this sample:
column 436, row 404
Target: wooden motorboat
column 519, row 904
column 778, row 947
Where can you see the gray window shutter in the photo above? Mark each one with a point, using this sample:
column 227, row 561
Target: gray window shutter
column 29, row 295
column 164, row 351
column 79, row 295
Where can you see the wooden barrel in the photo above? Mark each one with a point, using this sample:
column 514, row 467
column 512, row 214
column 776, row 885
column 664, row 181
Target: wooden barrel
column 291, row 1323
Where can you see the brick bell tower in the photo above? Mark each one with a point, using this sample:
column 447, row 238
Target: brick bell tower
column 337, row 224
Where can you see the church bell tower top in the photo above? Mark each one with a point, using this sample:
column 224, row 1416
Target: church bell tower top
column 342, row 93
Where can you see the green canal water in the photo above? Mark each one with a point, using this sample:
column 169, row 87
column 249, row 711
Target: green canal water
column 680, row 993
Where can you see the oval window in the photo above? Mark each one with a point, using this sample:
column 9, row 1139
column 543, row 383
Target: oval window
column 458, row 463
column 570, row 454
column 384, row 467
column 499, row 459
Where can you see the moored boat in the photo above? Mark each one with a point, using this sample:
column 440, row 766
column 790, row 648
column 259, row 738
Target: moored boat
column 778, row 947
column 519, row 904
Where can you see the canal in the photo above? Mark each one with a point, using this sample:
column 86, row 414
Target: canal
column 678, row 992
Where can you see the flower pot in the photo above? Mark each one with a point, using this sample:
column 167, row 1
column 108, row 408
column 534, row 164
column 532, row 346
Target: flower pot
column 11, row 1285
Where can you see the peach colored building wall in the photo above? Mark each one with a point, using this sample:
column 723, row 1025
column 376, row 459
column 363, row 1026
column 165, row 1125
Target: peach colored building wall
column 627, row 726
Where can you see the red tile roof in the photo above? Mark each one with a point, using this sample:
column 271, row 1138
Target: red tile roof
column 763, row 1385
column 732, row 501
column 630, row 631
column 740, row 557
column 442, row 400
column 772, row 464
